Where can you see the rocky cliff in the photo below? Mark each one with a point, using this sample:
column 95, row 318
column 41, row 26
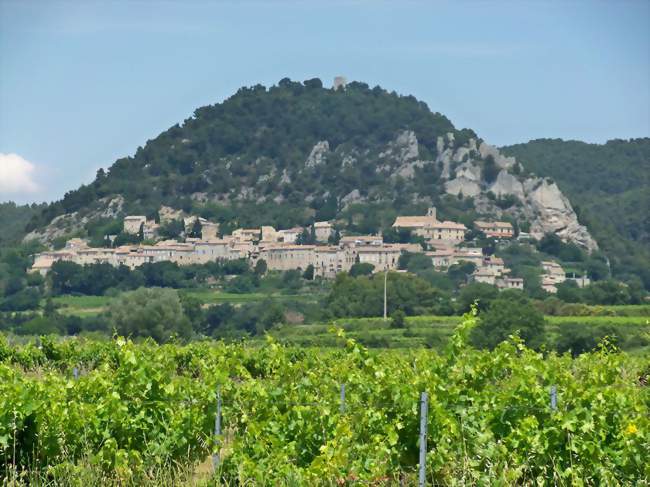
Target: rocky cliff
column 537, row 200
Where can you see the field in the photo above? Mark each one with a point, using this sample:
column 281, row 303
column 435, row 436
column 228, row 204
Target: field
column 141, row 414
column 93, row 305
column 434, row 331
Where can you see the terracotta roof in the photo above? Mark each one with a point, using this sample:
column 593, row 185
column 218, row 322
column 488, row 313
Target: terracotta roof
column 414, row 221
column 484, row 272
column 481, row 223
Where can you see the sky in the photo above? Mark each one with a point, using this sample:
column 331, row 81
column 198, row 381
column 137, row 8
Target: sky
column 83, row 83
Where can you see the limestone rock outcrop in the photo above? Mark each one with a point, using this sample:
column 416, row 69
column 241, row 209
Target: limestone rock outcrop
column 540, row 201
column 69, row 223
column 318, row 154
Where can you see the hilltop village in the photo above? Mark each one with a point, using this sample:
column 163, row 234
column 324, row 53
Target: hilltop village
column 319, row 246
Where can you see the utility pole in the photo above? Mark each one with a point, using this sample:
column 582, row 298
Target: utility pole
column 385, row 294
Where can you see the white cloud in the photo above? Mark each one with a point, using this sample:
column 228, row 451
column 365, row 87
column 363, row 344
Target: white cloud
column 16, row 175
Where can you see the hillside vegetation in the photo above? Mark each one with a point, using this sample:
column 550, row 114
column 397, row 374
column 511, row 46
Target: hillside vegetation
column 609, row 186
column 251, row 150
column 14, row 219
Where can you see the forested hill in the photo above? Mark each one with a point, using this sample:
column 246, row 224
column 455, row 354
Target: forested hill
column 253, row 148
column 609, row 186
column 298, row 152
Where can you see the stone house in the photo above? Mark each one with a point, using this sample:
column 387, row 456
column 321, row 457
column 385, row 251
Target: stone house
column 553, row 271
column 354, row 240
column 495, row 264
column 211, row 250
column 486, row 276
column 468, row 254
column 383, row 257
column 441, row 258
column 289, row 235
column 435, row 232
column 323, row 231
column 330, row 260
column 510, row 283
column 284, row 257
column 549, row 284
column 247, row 234
column 495, row 229
column 209, row 230
column 133, row 223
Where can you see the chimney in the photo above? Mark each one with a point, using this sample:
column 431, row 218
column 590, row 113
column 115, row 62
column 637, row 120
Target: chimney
column 432, row 212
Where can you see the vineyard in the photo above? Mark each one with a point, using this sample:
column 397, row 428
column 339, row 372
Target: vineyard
column 84, row 412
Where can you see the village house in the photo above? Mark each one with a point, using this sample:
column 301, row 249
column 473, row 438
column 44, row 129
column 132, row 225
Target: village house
column 553, row 271
column 510, row 283
column 437, row 233
column 468, row 254
column 247, row 234
column 43, row 262
column 268, row 234
column 323, row 231
column 150, row 230
column 133, row 224
column 486, row 276
column 330, row 260
column 441, row 258
column 495, row 229
column 284, row 257
column 354, row 240
column 289, row 235
column 495, row 264
column 549, row 284
column 209, row 230
column 383, row 257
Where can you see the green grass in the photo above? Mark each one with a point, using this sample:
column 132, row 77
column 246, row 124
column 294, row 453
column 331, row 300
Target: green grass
column 211, row 296
column 82, row 306
column 434, row 331
column 81, row 302
column 600, row 320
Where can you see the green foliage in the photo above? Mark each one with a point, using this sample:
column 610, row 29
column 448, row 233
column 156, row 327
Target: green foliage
column 13, row 220
column 136, row 408
column 553, row 245
column 398, row 319
column 261, row 267
column 309, row 273
column 490, row 169
column 149, row 312
column 509, row 315
column 414, row 262
column 478, row 294
column 364, row 296
column 361, row 269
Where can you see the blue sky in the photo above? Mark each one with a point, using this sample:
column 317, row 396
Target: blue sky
column 83, row 83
